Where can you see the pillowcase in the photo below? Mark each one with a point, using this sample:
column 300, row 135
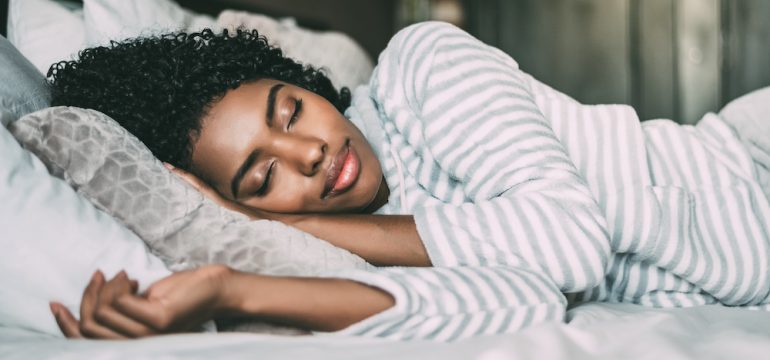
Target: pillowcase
column 344, row 61
column 117, row 173
column 46, row 31
column 52, row 241
column 107, row 20
column 23, row 89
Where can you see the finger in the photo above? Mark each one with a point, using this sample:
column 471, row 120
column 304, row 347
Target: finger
column 147, row 311
column 134, row 286
column 68, row 325
column 90, row 296
column 112, row 319
column 106, row 316
column 88, row 326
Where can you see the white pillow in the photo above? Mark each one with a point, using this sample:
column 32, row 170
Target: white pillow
column 345, row 62
column 52, row 242
column 107, row 20
column 52, row 239
column 45, row 31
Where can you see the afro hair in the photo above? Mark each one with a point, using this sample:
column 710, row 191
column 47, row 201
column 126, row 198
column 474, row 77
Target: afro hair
column 159, row 88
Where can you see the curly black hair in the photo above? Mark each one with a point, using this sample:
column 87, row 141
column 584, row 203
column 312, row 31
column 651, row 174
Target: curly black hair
column 159, row 88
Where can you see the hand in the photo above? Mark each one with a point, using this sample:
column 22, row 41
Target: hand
column 204, row 188
column 177, row 303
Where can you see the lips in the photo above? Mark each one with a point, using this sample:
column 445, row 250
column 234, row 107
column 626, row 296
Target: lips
column 343, row 172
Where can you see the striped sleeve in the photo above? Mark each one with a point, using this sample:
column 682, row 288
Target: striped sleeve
column 446, row 304
column 467, row 108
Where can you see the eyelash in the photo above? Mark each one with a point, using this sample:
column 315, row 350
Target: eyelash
column 295, row 115
column 265, row 184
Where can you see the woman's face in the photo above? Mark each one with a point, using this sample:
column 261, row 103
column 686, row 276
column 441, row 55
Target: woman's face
column 280, row 148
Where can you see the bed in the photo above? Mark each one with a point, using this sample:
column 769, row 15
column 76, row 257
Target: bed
column 39, row 263
column 595, row 331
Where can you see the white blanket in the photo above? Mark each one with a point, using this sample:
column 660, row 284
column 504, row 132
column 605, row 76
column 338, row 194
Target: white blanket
column 596, row 331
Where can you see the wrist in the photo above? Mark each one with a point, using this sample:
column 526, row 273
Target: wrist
column 234, row 299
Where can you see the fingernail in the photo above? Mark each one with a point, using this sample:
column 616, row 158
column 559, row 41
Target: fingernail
column 168, row 166
column 54, row 308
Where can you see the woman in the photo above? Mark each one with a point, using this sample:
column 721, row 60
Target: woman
column 519, row 197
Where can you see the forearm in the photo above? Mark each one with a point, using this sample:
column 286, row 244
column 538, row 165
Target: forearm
column 311, row 303
column 380, row 239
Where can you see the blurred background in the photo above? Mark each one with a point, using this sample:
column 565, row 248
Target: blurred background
column 674, row 59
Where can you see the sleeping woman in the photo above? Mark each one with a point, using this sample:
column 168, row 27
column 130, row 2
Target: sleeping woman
column 491, row 201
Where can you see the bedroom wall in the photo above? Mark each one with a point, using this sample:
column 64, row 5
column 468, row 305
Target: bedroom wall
column 669, row 58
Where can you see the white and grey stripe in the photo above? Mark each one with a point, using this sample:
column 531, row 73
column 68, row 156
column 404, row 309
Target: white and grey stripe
column 521, row 194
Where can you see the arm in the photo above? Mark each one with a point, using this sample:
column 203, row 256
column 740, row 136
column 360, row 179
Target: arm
column 482, row 301
column 390, row 240
column 380, row 239
column 184, row 300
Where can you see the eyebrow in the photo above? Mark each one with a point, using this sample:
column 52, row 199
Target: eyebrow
column 271, row 103
column 238, row 177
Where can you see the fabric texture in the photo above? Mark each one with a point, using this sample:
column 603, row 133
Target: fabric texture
column 45, row 31
column 118, row 174
column 344, row 61
column 598, row 331
column 52, row 241
column 23, row 89
column 749, row 115
column 521, row 194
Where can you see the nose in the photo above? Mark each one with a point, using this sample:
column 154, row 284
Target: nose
column 305, row 153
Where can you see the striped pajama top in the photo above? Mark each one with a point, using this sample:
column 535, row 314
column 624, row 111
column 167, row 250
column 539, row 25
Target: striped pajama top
column 528, row 201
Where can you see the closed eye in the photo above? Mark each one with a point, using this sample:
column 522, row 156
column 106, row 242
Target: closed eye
column 295, row 115
column 266, row 183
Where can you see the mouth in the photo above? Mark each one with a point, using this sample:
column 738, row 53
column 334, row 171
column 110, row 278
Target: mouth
column 343, row 172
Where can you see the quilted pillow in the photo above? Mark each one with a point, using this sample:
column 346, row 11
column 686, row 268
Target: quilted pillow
column 117, row 173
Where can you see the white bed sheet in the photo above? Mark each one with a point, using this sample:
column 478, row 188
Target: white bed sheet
column 595, row 331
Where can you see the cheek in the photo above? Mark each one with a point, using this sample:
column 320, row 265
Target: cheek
column 288, row 195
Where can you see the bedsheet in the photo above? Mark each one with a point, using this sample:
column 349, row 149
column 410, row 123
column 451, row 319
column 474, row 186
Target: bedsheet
column 594, row 331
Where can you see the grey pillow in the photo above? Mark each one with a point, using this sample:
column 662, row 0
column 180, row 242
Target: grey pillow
column 22, row 88
column 117, row 173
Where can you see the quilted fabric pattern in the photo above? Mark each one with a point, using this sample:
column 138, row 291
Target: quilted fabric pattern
column 117, row 173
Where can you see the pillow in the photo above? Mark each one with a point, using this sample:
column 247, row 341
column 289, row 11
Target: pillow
column 52, row 242
column 346, row 63
column 118, row 174
column 23, row 89
column 52, row 239
column 46, row 31
column 107, row 20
